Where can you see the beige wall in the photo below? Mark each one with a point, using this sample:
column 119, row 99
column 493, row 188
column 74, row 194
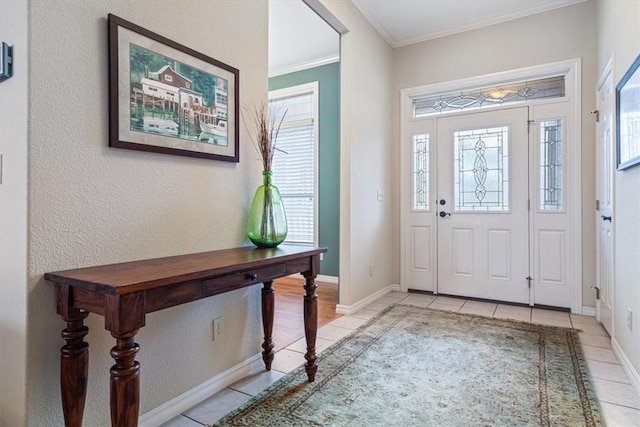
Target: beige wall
column 558, row 35
column 91, row 204
column 368, row 160
column 619, row 35
column 13, row 217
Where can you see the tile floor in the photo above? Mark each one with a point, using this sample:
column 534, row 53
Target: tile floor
column 620, row 403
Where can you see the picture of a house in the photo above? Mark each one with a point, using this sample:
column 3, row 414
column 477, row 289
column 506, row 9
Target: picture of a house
column 166, row 102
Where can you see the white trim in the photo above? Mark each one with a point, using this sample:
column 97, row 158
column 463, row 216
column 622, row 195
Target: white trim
column 375, row 23
column 628, row 367
column 319, row 278
column 304, row 66
column 589, row 311
column 608, row 71
column 572, row 68
column 530, row 9
column 327, row 279
column 350, row 309
column 501, row 77
column 188, row 399
column 576, row 202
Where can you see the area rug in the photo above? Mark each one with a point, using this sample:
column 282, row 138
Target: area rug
column 412, row 366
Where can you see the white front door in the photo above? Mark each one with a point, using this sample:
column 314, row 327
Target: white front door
column 605, row 161
column 482, row 203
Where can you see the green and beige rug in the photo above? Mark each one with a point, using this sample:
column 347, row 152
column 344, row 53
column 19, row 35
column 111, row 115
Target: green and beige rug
column 413, row 366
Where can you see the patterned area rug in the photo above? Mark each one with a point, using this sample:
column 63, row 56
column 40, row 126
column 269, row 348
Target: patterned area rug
column 413, row 366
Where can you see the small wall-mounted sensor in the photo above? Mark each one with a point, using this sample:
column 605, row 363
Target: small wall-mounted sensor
column 6, row 61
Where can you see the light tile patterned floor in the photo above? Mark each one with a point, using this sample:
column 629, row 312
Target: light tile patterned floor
column 620, row 403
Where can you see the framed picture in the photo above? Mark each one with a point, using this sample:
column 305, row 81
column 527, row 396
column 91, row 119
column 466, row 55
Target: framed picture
column 167, row 98
column 628, row 117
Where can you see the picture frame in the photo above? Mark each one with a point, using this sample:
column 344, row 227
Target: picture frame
column 167, row 98
column 628, row 118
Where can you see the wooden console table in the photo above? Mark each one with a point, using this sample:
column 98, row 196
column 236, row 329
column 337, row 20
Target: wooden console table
column 125, row 293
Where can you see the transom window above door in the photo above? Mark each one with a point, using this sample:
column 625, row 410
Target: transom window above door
column 483, row 97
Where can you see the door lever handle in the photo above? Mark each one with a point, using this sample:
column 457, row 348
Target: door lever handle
column 443, row 214
column 605, row 218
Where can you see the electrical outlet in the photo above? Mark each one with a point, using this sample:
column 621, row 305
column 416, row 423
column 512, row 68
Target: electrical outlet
column 371, row 270
column 629, row 319
column 380, row 196
column 217, row 328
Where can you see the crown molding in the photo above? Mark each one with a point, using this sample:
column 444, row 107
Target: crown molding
column 303, row 66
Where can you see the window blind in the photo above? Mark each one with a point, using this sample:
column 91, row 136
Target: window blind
column 293, row 166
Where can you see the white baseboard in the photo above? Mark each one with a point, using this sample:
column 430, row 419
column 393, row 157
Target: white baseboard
column 589, row 311
column 319, row 278
column 190, row 398
column 327, row 279
column 350, row 309
column 629, row 369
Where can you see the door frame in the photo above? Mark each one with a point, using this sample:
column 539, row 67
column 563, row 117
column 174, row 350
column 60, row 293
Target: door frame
column 607, row 72
column 571, row 69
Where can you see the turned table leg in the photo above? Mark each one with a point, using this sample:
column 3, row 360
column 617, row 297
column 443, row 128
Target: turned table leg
column 268, row 301
column 125, row 381
column 310, row 325
column 74, row 368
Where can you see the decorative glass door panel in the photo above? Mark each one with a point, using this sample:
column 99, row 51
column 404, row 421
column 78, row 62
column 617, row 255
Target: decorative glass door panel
column 483, row 192
column 481, row 170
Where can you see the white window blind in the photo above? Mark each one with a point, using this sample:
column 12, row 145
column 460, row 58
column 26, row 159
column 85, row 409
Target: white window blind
column 294, row 166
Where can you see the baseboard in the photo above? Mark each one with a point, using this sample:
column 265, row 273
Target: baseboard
column 629, row 369
column 327, row 279
column 350, row 309
column 589, row 311
column 319, row 278
column 190, row 398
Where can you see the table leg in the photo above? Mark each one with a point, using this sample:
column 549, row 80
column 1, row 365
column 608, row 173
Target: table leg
column 310, row 325
column 125, row 381
column 268, row 301
column 74, row 368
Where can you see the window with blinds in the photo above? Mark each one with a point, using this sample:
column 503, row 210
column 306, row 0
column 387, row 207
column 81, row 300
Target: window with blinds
column 294, row 165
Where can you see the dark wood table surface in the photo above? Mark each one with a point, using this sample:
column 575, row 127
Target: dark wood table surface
column 124, row 293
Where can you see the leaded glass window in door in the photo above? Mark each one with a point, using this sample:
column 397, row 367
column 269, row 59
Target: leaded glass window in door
column 551, row 165
column 420, row 190
column 481, row 169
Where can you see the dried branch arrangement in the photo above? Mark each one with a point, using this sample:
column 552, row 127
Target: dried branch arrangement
column 263, row 131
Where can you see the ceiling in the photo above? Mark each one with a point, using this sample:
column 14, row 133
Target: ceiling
column 298, row 38
column 403, row 22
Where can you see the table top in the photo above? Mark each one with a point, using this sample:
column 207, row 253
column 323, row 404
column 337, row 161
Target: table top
column 148, row 274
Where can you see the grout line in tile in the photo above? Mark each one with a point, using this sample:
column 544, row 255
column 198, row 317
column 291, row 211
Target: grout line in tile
column 194, row 420
column 240, row 391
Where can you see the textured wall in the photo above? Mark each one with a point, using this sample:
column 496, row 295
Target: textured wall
column 618, row 35
column 368, row 158
column 557, row 35
column 13, row 217
column 328, row 78
column 91, row 204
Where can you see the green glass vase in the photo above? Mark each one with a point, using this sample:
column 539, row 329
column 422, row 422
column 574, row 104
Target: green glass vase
column 267, row 226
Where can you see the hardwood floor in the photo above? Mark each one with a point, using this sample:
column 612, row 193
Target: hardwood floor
column 288, row 323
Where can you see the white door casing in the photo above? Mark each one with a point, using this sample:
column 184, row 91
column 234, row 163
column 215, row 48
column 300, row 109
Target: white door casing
column 605, row 177
column 483, row 232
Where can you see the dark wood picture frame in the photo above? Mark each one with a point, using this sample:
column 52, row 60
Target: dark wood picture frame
column 167, row 98
column 628, row 118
